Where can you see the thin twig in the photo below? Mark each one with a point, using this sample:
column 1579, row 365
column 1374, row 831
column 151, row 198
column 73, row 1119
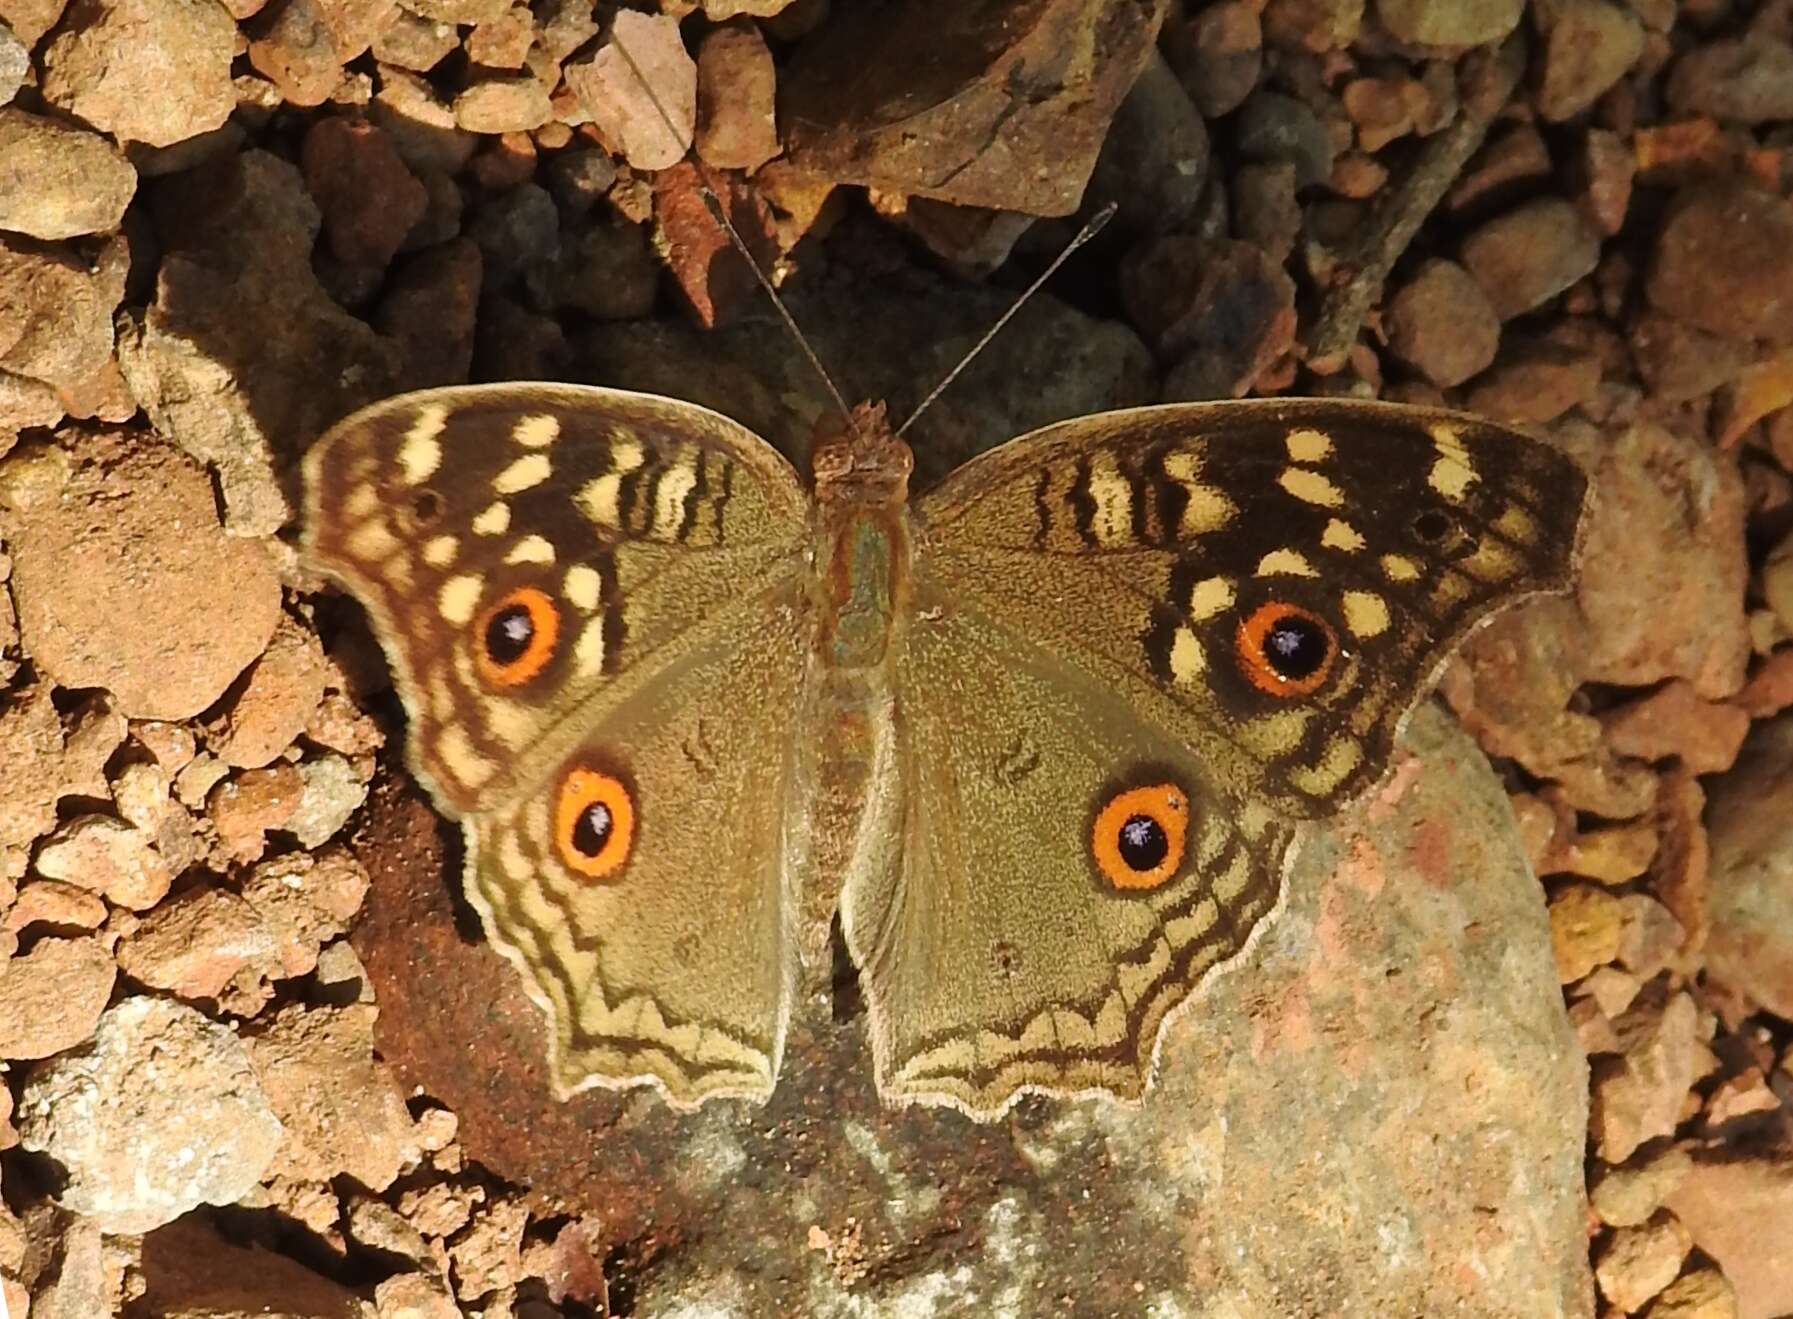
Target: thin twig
column 1489, row 77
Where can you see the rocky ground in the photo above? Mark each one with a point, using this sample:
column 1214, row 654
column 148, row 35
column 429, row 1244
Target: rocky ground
column 257, row 1059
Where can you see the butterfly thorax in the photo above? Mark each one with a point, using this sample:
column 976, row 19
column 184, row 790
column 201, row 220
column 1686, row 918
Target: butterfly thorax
column 860, row 564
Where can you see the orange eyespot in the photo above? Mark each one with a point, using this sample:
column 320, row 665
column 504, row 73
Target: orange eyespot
column 1285, row 650
column 594, row 823
column 515, row 637
column 1140, row 835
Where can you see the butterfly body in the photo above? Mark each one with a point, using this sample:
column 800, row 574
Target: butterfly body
column 1044, row 739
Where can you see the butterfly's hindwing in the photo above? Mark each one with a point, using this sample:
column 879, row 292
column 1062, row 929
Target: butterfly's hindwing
column 669, row 964
column 1008, row 957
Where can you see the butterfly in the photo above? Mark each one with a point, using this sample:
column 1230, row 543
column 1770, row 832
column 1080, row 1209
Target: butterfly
column 1044, row 740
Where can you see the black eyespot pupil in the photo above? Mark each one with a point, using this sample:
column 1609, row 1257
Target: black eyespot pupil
column 592, row 829
column 1143, row 844
column 1432, row 526
column 1296, row 647
column 427, row 507
column 508, row 634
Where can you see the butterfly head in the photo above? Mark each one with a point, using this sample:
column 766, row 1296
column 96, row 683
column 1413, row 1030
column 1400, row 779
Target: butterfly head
column 858, row 459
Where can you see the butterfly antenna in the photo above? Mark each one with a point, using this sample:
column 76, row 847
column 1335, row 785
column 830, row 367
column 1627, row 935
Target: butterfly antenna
column 719, row 213
column 1084, row 234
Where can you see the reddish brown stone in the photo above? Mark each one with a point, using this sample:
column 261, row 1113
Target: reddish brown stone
column 1723, row 262
column 1527, row 256
column 712, row 275
column 155, row 71
column 1675, row 721
column 121, row 567
column 852, row 111
column 368, row 198
column 736, row 96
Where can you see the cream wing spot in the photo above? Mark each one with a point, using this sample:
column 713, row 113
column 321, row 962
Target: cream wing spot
column 1205, row 509
column 512, row 857
column 1366, row 613
column 514, row 725
column 588, row 650
column 1307, row 445
column 420, row 451
column 1341, row 535
column 459, row 597
column 1400, row 568
column 372, row 542
column 1285, row 563
column 440, row 551
column 600, row 499
column 1517, row 525
column 1187, row 659
column 1453, row 471
column 397, row 571
column 362, row 501
column 583, row 587
column 1341, row 757
column 1310, row 487
column 456, row 751
column 537, row 431
column 1209, row 597
column 531, row 549
column 525, row 473
column 675, row 484
column 1111, row 522
column 494, row 519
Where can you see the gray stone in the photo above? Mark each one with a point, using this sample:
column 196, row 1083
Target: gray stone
column 58, row 181
column 1273, row 126
column 158, row 1114
column 1749, row 820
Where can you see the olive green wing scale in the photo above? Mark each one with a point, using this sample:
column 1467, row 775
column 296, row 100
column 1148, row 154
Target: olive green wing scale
column 1146, row 647
column 1004, row 956
column 590, row 600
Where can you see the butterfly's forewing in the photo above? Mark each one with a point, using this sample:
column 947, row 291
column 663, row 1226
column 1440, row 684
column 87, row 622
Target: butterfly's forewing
column 1239, row 603
column 1154, row 547
column 570, row 583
